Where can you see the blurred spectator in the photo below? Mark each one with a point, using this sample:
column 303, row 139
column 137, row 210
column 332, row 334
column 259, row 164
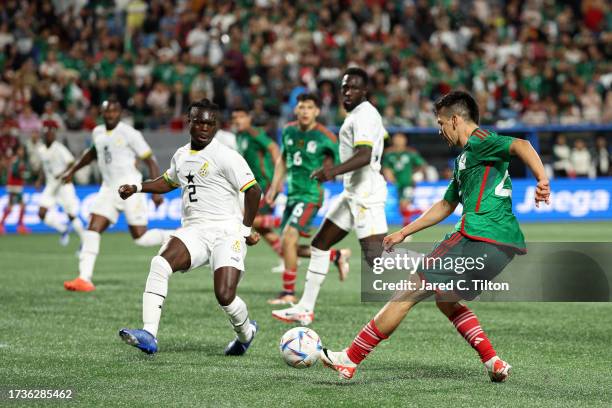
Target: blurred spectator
column 31, row 151
column 140, row 110
column 561, row 157
column 158, row 100
column 581, row 159
column 50, row 113
column 591, row 105
column 602, row 157
column 28, row 120
column 72, row 119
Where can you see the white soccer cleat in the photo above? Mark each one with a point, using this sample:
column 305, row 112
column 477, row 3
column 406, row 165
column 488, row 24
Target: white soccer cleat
column 498, row 369
column 338, row 361
column 294, row 314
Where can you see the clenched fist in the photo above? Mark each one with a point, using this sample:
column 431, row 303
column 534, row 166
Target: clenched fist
column 126, row 191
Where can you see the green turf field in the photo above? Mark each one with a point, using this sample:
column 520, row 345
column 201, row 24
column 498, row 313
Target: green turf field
column 50, row 338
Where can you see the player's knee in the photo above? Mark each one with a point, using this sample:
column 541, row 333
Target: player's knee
column 446, row 307
column 290, row 237
column 225, row 294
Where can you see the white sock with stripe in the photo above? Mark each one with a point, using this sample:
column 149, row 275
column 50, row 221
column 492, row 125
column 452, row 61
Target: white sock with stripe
column 239, row 319
column 317, row 271
column 156, row 290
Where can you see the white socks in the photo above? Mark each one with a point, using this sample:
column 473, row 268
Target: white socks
column 77, row 226
column 53, row 220
column 89, row 253
column 317, row 270
column 155, row 293
column 153, row 237
column 239, row 319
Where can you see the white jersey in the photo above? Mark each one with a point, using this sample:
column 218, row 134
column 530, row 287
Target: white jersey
column 363, row 126
column 227, row 138
column 117, row 151
column 211, row 180
column 55, row 160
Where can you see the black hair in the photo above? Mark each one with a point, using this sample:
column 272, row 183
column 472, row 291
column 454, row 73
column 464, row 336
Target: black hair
column 308, row 96
column 112, row 98
column 358, row 72
column 459, row 103
column 242, row 108
column 204, row 104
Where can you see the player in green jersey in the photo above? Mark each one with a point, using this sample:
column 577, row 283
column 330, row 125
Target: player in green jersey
column 487, row 229
column 260, row 153
column 307, row 146
column 400, row 163
column 18, row 172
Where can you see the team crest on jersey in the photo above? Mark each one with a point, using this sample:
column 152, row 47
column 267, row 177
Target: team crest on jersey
column 236, row 246
column 311, row 147
column 203, row 170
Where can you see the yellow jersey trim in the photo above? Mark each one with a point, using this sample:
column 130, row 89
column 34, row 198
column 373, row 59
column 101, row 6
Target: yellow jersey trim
column 248, row 185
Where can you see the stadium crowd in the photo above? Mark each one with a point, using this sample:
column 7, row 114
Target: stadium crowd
column 532, row 62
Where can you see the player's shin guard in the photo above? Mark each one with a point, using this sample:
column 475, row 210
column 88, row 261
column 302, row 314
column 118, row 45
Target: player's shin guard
column 239, row 318
column 466, row 323
column 155, row 293
column 88, row 254
column 153, row 237
column 52, row 220
column 364, row 343
column 317, row 270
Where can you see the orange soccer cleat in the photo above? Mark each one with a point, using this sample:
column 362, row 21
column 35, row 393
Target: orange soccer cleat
column 79, row 285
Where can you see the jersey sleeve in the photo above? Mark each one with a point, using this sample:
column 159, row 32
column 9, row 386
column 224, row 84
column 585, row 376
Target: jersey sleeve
column 67, row 157
column 452, row 191
column 493, row 147
column 140, row 145
column 239, row 173
column 171, row 175
column 263, row 141
column 330, row 147
column 284, row 137
column 367, row 129
column 386, row 161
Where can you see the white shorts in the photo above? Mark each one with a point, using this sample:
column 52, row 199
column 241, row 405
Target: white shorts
column 61, row 194
column 108, row 204
column 216, row 245
column 366, row 221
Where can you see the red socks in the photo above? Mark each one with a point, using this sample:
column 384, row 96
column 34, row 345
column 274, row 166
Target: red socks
column 333, row 254
column 468, row 326
column 277, row 246
column 289, row 277
column 364, row 343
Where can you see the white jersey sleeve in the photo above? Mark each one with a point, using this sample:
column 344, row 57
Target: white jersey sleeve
column 138, row 143
column 67, row 157
column 171, row 175
column 238, row 173
column 368, row 129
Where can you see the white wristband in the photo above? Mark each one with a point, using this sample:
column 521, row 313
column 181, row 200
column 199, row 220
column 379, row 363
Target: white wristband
column 245, row 231
column 138, row 187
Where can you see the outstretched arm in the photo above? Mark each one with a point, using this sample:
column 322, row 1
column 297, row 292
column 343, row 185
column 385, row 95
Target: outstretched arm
column 87, row 157
column 526, row 152
column 251, row 205
column 436, row 213
column 158, row 186
column 361, row 158
column 154, row 174
column 276, row 185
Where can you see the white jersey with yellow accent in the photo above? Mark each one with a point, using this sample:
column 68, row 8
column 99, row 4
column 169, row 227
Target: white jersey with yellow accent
column 211, row 180
column 55, row 160
column 117, row 151
column 364, row 127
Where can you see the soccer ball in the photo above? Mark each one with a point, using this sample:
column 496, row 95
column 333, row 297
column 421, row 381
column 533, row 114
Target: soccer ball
column 300, row 347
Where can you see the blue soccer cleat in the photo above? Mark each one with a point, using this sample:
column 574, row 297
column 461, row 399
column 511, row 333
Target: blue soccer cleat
column 139, row 338
column 236, row 348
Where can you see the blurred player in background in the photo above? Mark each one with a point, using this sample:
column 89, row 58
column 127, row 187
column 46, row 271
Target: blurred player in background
column 362, row 204
column 307, row 146
column 214, row 230
column 400, row 163
column 487, row 230
column 116, row 146
column 18, row 172
column 56, row 159
column 260, row 153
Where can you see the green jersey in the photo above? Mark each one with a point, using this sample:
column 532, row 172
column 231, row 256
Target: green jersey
column 402, row 164
column 254, row 148
column 482, row 185
column 304, row 153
